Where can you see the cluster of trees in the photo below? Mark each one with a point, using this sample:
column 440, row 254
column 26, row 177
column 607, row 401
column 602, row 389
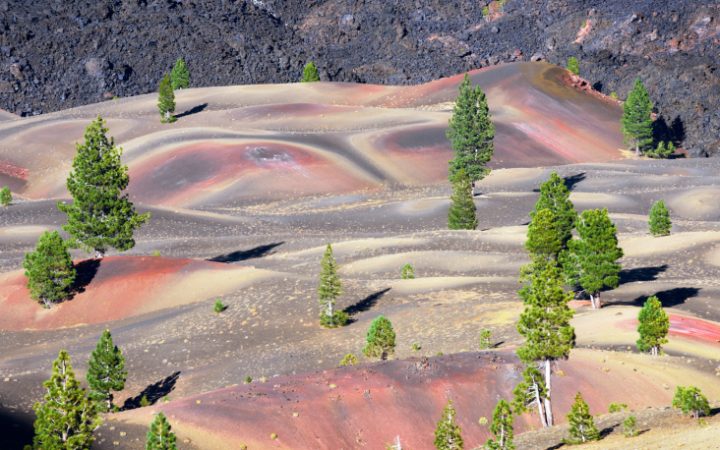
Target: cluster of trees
column 100, row 217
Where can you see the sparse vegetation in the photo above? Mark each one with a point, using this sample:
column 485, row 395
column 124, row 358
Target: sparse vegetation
column 659, row 221
column 462, row 212
column 636, row 119
column 5, row 196
column 613, row 95
column 180, row 75
column 573, row 66
column 219, row 306
column 380, row 340
column 349, row 360
column 663, row 150
column 416, row 347
column 582, row 424
column 653, row 326
column 407, row 272
column 501, row 428
column 49, row 270
column 691, row 401
column 617, row 407
column 447, row 433
column 160, row 435
column 630, row 426
column 166, row 100
column 106, row 372
column 310, row 73
column 485, row 339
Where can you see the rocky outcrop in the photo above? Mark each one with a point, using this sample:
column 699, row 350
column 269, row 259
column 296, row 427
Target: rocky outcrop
column 59, row 54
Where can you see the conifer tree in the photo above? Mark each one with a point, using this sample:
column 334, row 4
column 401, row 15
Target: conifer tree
column 555, row 196
column 180, row 75
column 663, row 150
column 447, row 432
column 49, row 270
column 531, row 392
column 166, row 100
column 573, row 66
column 501, row 428
column 380, row 339
column 101, row 215
column 653, row 326
column 582, row 425
column 66, row 418
column 407, row 272
column 106, row 372
column 310, row 73
column 636, row 119
column 591, row 259
column 160, row 435
column 690, row 400
column 5, row 196
column 329, row 290
column 471, row 133
column 659, row 220
column 462, row 212
column 544, row 236
column 545, row 325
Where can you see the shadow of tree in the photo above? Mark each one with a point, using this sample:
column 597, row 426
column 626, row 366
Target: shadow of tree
column 85, row 272
column 242, row 255
column 191, row 111
column 641, row 274
column 570, row 181
column 365, row 304
column 16, row 428
column 668, row 298
column 153, row 392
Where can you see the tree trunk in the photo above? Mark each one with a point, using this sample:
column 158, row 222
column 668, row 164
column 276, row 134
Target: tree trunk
column 541, row 410
column 99, row 254
column 329, row 310
column 654, row 351
column 637, row 148
column 548, row 404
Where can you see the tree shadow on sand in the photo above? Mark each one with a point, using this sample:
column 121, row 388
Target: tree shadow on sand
column 668, row 298
column 85, row 272
column 191, row 111
column 153, row 393
column 570, row 181
column 641, row 274
column 242, row 255
column 364, row 304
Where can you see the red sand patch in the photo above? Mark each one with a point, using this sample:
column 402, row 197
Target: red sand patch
column 122, row 286
column 684, row 326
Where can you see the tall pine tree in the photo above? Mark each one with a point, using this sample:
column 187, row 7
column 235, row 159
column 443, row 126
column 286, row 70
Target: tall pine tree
column 160, row 435
column 545, row 325
column 106, row 372
column 501, row 428
column 66, row 418
column 310, row 73
column 471, row 133
column 49, row 270
column 329, row 289
column 462, row 212
column 166, row 100
column 636, row 122
column 555, row 196
column 582, row 425
column 447, row 432
column 591, row 259
column 659, row 220
column 180, row 75
column 653, row 326
column 101, row 215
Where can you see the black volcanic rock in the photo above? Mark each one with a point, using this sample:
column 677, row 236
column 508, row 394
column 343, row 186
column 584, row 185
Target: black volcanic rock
column 55, row 54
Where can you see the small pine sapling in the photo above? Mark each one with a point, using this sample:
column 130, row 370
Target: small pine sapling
column 380, row 339
column 485, row 339
column 180, row 75
column 616, row 407
column 5, row 196
column 690, row 400
column 630, row 426
column 349, row 360
column 582, row 425
column 501, row 428
column 659, row 221
column 49, row 270
column 310, row 73
column 653, row 326
column 219, row 306
column 573, row 66
column 407, row 272
column 447, row 433
column 160, row 435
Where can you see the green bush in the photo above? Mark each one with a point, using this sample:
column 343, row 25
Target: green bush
column 380, row 339
column 691, row 401
column 629, row 426
column 338, row 319
column 485, row 339
column 616, row 407
column 659, row 219
column 407, row 272
column 5, row 196
column 49, row 270
column 573, row 65
column 310, row 73
column 349, row 360
column 219, row 306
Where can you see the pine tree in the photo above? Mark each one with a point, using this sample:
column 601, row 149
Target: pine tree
column 180, row 75
column 462, row 212
column 636, row 119
column 329, row 290
column 310, row 73
column 582, row 425
column 690, row 400
column 447, row 433
column 555, row 196
column 471, row 133
column 531, row 392
column 160, row 435
column 545, row 324
column 166, row 100
column 544, row 236
column 659, row 220
column 49, row 270
column 501, row 428
column 407, row 272
column 380, row 339
column 5, row 196
column 106, row 372
column 663, row 150
column 66, row 418
column 100, row 216
column 591, row 259
column 573, row 66
column 653, row 326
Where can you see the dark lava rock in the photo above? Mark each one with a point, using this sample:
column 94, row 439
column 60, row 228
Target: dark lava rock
column 55, row 54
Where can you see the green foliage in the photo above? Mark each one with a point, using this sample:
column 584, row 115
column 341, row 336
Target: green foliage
column 248, row 379
column 329, row 290
column 160, row 435
column 5, row 196
column 545, row 321
column 691, row 401
column 49, row 270
column 144, row 401
column 573, row 66
column 180, row 75
column 106, row 372
column 636, row 122
column 582, row 425
column 448, row 433
column 531, row 389
column 66, row 418
column 166, row 100
column 555, row 196
column 471, row 133
column 219, row 306
column 461, row 215
column 630, row 426
column 653, row 326
column 501, row 428
column 338, row 319
column 613, row 95
column 416, row 347
column 486, row 11
column 380, row 340
column 544, row 235
column 616, row 407
column 659, row 221
column 101, row 215
column 591, row 259
column 310, row 73
column 485, row 339
column 407, row 272
column 663, row 150
column 349, row 360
